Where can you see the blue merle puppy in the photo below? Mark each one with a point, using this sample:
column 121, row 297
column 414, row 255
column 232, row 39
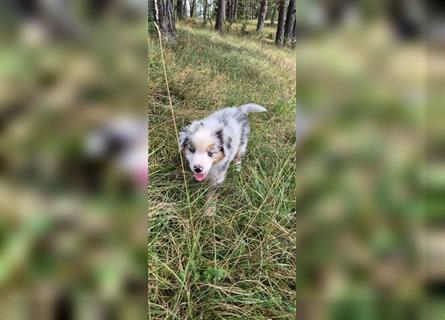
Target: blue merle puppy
column 211, row 144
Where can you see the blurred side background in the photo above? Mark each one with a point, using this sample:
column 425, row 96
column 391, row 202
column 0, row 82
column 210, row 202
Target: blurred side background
column 73, row 159
column 370, row 172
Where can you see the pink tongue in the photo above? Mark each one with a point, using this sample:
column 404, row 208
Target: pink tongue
column 141, row 177
column 200, row 176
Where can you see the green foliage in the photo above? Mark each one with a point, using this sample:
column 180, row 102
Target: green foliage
column 244, row 27
column 214, row 274
column 152, row 28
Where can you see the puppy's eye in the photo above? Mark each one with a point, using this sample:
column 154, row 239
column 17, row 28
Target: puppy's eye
column 210, row 154
column 192, row 150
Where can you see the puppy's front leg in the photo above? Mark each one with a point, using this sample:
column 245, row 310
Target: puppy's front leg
column 211, row 201
column 237, row 161
column 212, row 196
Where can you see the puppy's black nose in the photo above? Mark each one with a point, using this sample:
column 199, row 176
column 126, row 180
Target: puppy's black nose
column 197, row 169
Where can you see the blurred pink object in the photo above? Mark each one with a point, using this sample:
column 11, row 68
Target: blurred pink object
column 123, row 141
column 141, row 177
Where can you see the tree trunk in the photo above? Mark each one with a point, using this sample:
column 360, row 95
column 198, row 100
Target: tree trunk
column 228, row 10
column 235, row 10
column 261, row 15
column 289, row 21
column 221, row 13
column 192, row 8
column 272, row 18
column 180, row 9
column 279, row 37
column 151, row 11
column 205, row 10
column 294, row 30
column 164, row 18
column 249, row 10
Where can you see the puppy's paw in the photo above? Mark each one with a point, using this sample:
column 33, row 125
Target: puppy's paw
column 210, row 204
column 238, row 166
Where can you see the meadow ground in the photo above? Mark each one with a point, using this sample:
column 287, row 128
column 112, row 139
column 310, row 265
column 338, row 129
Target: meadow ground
column 239, row 263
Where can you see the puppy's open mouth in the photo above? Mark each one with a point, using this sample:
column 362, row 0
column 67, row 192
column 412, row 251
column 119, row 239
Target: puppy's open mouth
column 200, row 176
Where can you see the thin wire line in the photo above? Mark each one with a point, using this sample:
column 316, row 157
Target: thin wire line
column 172, row 111
column 192, row 243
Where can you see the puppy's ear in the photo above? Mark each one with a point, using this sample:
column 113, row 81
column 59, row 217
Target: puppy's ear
column 183, row 137
column 220, row 135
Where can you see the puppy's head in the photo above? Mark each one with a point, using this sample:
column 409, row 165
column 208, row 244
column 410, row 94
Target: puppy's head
column 202, row 147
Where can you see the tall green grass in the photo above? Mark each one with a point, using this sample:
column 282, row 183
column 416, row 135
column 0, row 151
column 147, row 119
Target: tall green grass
column 239, row 263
